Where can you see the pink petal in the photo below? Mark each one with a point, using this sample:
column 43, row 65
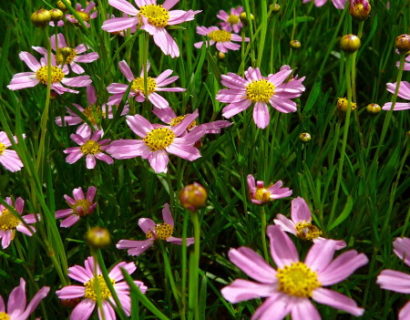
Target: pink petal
column 286, row 224
column 139, row 125
column 158, row 161
column 399, row 106
column 90, row 161
column 337, row 301
column 17, row 298
column 29, row 60
column 23, row 80
column 135, row 247
column 404, row 313
column 158, row 101
column 394, row 280
column 282, row 249
column 401, row 249
column 83, row 310
column 276, row 307
column 79, row 274
column 168, row 4
column 106, row 312
column 242, row 290
column 189, row 153
column 167, row 215
column 178, row 241
column 116, row 274
column 63, row 213
column 261, row 115
column 300, row 210
column 128, row 149
column 320, row 255
column 71, row 292
column 123, row 6
column 126, row 70
column 91, row 191
column 69, row 221
column 146, row 224
column 40, row 295
column 303, row 309
column 119, row 24
column 87, row 58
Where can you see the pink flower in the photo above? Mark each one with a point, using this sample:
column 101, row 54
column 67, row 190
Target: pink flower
column 288, row 289
column 90, row 146
column 137, row 90
column 406, row 66
column 260, row 194
column 404, row 92
column 254, row 88
column 154, row 18
column 9, row 158
column 17, row 307
column 9, row 223
column 222, row 39
column 67, row 55
column 157, row 142
column 80, row 206
column 339, row 4
column 301, row 223
column 39, row 74
column 162, row 231
column 84, row 13
column 232, row 21
column 93, row 285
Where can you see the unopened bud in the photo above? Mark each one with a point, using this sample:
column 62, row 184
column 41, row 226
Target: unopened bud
column 342, row 104
column 295, row 44
column 305, row 137
column 98, row 237
column 350, row 43
column 373, row 108
column 275, row 7
column 41, row 18
column 61, row 5
column 56, row 14
column 221, row 55
column 360, row 9
column 403, row 43
column 193, row 196
column 244, row 17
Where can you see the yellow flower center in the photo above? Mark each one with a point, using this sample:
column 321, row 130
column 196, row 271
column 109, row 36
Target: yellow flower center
column 2, row 148
column 84, row 15
column 90, row 147
column 307, row 231
column 262, row 194
column 156, row 14
column 65, row 55
column 233, row 19
column 93, row 113
column 220, row 36
column 56, row 74
column 159, row 139
column 96, row 288
column 260, row 91
column 162, row 231
column 8, row 221
column 176, row 121
column 138, row 85
column 297, row 279
column 81, row 207
column 4, row 316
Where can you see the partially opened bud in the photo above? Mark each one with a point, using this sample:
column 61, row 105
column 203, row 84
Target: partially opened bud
column 342, row 104
column 61, row 5
column 98, row 237
column 305, row 137
column 275, row 7
column 193, row 196
column 360, row 9
column 295, row 44
column 373, row 108
column 56, row 14
column 403, row 43
column 41, row 17
column 350, row 43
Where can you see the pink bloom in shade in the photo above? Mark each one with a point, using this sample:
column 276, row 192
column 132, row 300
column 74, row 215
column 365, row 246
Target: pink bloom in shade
column 406, row 66
column 137, row 90
column 9, row 158
column 80, row 206
column 339, row 4
column 84, row 13
column 404, row 92
column 67, row 55
column 40, row 72
column 93, row 286
column 9, row 223
column 232, row 21
column 288, row 289
column 157, row 142
column 90, row 146
column 153, row 231
column 261, row 91
column 260, row 194
column 17, row 307
column 222, row 39
column 301, row 223
column 154, row 18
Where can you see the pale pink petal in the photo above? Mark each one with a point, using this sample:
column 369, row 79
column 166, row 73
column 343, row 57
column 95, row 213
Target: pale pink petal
column 178, row 241
column 303, row 309
column 126, row 70
column 320, row 255
column 40, row 295
column 166, row 115
column 300, row 210
column 242, row 290
column 402, row 249
column 139, row 125
column 404, row 313
column 167, row 215
column 337, row 301
column 286, row 224
column 158, row 101
column 189, row 153
column 22, row 81
column 83, row 310
column 69, row 221
column 146, row 224
column 158, row 161
column 119, row 24
column 276, row 307
column 394, row 280
column 70, row 292
column 87, row 58
column 17, row 299
column 116, row 274
column 399, row 106
column 123, row 6
column 135, row 247
column 63, row 213
column 282, row 249
column 261, row 115
column 234, row 108
column 29, row 60
column 106, row 311
column 168, row 4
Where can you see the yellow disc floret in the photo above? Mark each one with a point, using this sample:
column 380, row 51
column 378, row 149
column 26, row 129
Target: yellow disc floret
column 2, row 148
column 162, row 231
column 96, row 288
column 8, row 221
column 260, row 91
column 90, row 147
column 177, row 120
column 84, row 15
column 93, row 114
column 159, row 139
column 156, row 14
column 4, row 316
column 233, row 19
column 220, row 36
column 307, row 231
column 138, row 85
column 81, row 207
column 298, row 280
column 262, row 194
column 56, row 74
column 65, row 55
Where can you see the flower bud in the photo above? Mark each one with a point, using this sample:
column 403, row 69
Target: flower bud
column 360, row 9
column 61, row 5
column 41, row 18
column 295, row 44
column 193, row 196
column 403, row 43
column 342, row 104
column 373, row 108
column 275, row 7
column 98, row 237
column 244, row 17
column 350, row 43
column 56, row 14
column 305, row 137
column 221, row 55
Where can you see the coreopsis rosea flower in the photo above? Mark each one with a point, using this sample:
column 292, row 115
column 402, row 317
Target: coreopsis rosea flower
column 339, row 4
column 301, row 224
column 80, row 205
column 9, row 223
column 40, row 73
column 9, row 158
column 255, row 89
column 137, row 91
column 17, row 307
column 398, row 281
column 222, row 39
column 153, row 232
column 86, row 13
column 290, row 287
column 94, row 288
column 153, row 18
column 404, row 93
column 232, row 20
column 259, row 194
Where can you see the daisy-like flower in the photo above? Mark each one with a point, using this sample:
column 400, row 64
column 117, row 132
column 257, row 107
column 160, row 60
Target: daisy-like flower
column 90, row 146
column 222, row 39
column 404, row 93
column 137, row 90
column 339, row 4
column 17, row 307
column 261, row 91
column 9, row 158
column 86, row 13
column 94, row 288
column 9, row 223
column 154, row 18
column 395, row 280
column 40, row 72
column 80, row 206
column 67, row 55
column 301, row 223
column 259, row 194
column 231, row 21
column 288, row 289
column 157, row 142
column 153, row 231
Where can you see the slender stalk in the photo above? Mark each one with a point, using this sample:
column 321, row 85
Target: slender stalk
column 194, row 273
column 263, row 233
column 184, row 265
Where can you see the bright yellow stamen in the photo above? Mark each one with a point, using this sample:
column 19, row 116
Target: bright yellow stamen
column 260, row 91
column 90, row 147
column 4, row 316
column 159, row 139
column 156, row 14
column 176, row 121
column 307, row 231
column 220, row 36
column 96, row 288
column 84, row 15
column 2, row 149
column 81, row 207
column 262, row 194
column 297, row 280
column 65, row 55
column 56, row 75
column 93, row 114
column 162, row 231
column 8, row 221
column 233, row 19
column 138, row 85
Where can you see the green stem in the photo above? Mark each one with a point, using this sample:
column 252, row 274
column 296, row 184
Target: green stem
column 264, row 28
column 193, row 281
column 263, row 233
column 184, row 265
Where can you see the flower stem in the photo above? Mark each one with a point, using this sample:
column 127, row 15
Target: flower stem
column 263, row 233
column 194, row 269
